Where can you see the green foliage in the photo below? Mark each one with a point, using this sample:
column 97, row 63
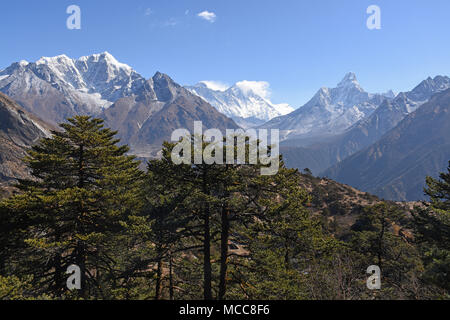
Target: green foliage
column 70, row 213
column 205, row 231
column 432, row 226
column 284, row 245
column 13, row 288
column 377, row 239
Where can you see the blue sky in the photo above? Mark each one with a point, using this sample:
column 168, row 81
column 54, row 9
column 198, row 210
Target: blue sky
column 297, row 46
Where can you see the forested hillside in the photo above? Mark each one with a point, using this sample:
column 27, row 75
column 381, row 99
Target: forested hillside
column 207, row 231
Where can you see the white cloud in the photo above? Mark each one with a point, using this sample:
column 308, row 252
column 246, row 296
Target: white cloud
column 261, row 88
column 215, row 85
column 208, row 16
column 148, row 11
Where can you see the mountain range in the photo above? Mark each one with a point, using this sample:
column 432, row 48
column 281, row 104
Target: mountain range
column 395, row 167
column 145, row 112
column 327, row 152
column 60, row 87
column 148, row 117
column 375, row 142
column 330, row 112
column 246, row 102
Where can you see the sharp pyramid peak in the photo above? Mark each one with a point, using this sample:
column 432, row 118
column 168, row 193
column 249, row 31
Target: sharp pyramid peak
column 159, row 76
column 163, row 80
column 350, row 79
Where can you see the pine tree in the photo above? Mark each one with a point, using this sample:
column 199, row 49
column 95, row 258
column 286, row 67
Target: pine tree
column 166, row 209
column 432, row 225
column 186, row 207
column 379, row 240
column 83, row 186
column 283, row 244
column 214, row 202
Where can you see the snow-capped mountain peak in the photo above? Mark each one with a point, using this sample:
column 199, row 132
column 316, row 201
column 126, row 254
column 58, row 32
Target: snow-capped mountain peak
column 89, row 84
column 61, row 59
column 249, row 88
column 349, row 80
column 331, row 111
column 244, row 100
column 23, row 63
column 214, row 85
column 106, row 59
column 60, row 70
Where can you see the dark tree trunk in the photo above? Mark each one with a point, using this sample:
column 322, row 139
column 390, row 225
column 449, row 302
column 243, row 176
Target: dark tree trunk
column 81, row 250
column 2, row 267
column 207, row 270
column 58, row 277
column 224, row 253
column 158, row 287
column 171, row 277
column 81, row 263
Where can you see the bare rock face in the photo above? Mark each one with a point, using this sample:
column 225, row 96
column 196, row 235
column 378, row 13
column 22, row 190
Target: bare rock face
column 146, row 119
column 19, row 130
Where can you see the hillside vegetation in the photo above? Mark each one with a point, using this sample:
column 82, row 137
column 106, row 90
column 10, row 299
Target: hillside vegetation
column 207, row 231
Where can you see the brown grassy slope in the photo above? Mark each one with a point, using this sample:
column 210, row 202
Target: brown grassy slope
column 340, row 204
